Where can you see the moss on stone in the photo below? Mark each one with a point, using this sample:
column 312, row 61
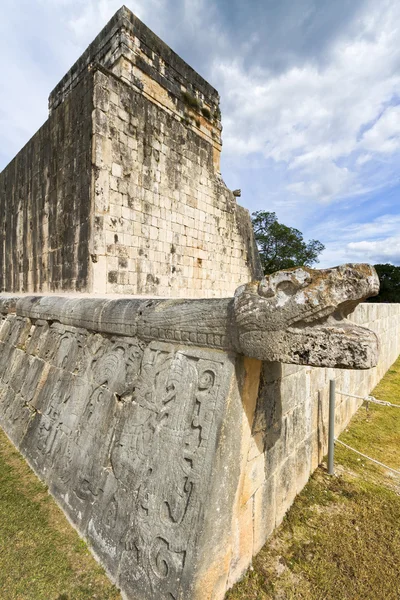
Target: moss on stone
column 191, row 100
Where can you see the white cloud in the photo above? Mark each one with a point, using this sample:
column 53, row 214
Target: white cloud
column 387, row 225
column 363, row 158
column 39, row 42
column 88, row 17
column 310, row 116
column 375, row 241
column 324, row 129
column 384, row 135
column 378, row 251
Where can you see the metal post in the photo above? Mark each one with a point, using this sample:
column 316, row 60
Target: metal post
column 331, row 434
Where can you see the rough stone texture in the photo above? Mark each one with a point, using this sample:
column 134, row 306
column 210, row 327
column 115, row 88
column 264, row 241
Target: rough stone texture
column 133, row 440
column 165, row 223
column 45, row 203
column 174, row 461
column 170, row 451
column 120, row 191
column 299, row 316
column 126, row 36
column 309, row 327
column 290, row 429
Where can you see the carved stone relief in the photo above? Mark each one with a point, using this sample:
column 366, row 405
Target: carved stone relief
column 126, row 431
column 123, row 434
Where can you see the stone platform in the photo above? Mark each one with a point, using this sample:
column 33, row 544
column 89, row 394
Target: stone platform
column 172, row 452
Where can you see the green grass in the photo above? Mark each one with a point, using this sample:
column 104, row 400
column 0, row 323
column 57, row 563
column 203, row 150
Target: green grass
column 41, row 555
column 341, row 538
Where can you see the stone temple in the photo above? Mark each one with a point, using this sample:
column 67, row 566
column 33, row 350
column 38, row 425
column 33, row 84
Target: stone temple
column 173, row 430
column 120, row 191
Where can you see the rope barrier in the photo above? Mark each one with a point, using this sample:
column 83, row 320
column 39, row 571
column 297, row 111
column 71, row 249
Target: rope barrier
column 332, row 440
column 368, row 457
column 371, row 399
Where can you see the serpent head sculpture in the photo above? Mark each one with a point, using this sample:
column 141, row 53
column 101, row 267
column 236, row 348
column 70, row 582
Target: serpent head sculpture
column 300, row 316
column 293, row 316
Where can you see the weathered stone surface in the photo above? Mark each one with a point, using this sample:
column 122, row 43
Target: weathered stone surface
column 120, row 191
column 291, row 416
column 174, row 461
column 299, row 316
column 45, row 203
column 311, row 328
column 171, row 447
column 126, row 435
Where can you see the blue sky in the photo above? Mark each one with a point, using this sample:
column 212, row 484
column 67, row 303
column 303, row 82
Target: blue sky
column 310, row 99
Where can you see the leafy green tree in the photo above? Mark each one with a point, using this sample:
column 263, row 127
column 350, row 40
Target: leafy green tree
column 389, row 277
column 280, row 246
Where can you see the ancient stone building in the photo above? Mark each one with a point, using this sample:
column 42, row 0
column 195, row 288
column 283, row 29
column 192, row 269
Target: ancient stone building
column 175, row 432
column 120, row 191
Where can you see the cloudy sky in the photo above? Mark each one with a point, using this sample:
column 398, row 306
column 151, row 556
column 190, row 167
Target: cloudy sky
column 310, row 98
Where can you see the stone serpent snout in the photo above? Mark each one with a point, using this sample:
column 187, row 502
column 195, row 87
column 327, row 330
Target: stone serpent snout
column 299, row 316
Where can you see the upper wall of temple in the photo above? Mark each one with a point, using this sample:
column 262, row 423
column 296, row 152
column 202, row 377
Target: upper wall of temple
column 132, row 51
column 120, row 191
column 45, row 203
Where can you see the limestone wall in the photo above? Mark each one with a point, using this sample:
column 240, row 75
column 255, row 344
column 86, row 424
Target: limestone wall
column 175, row 460
column 45, row 204
column 120, row 191
column 165, row 223
column 138, row 442
column 290, row 428
column 130, row 50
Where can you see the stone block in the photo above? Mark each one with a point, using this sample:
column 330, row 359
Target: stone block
column 256, row 445
column 286, row 479
column 293, row 388
column 264, row 513
column 254, row 477
column 116, row 170
column 269, row 406
column 303, row 463
column 242, row 543
column 140, row 415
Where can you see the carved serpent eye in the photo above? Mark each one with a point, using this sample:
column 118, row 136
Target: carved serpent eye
column 289, row 287
column 288, row 282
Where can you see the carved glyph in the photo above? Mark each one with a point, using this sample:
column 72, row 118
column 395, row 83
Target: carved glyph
column 159, row 453
column 125, row 436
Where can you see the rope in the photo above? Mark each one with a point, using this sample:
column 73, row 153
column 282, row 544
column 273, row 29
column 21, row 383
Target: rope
column 368, row 457
column 370, row 399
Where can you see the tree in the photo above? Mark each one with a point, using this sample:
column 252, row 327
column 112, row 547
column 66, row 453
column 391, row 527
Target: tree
column 282, row 247
column 389, row 277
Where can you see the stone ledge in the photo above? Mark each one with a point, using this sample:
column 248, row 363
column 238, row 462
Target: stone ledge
column 269, row 321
